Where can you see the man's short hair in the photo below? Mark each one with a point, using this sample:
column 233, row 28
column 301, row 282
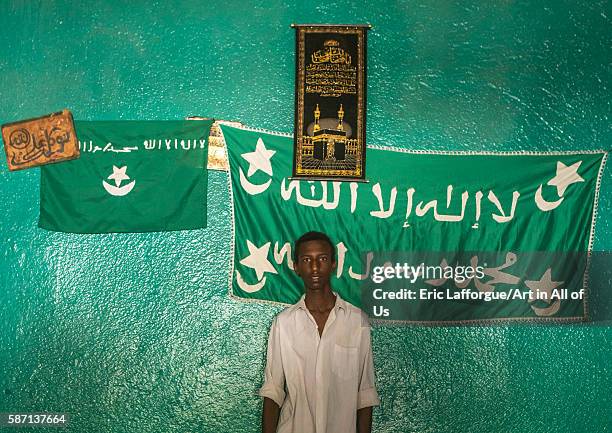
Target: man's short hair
column 313, row 236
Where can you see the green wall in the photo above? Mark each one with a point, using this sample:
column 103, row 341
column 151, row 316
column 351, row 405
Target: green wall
column 136, row 332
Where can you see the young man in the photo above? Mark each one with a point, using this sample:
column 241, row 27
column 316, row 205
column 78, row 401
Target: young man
column 319, row 376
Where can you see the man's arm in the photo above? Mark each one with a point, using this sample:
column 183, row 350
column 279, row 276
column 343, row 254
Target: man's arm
column 364, row 420
column 273, row 388
column 367, row 396
column 269, row 417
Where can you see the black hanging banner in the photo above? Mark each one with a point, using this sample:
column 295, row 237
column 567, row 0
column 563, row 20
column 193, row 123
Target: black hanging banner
column 330, row 102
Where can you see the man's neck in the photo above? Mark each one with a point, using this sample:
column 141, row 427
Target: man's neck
column 320, row 300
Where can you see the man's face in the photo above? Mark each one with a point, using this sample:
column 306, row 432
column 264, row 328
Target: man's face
column 315, row 264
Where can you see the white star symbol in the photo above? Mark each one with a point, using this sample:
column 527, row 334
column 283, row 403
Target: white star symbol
column 119, row 174
column 258, row 259
column 259, row 159
column 544, row 285
column 565, row 176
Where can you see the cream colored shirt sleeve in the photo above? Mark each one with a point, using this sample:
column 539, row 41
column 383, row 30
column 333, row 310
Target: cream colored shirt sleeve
column 274, row 375
column 367, row 395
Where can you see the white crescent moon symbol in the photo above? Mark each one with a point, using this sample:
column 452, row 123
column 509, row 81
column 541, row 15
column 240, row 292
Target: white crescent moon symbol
column 253, row 188
column 546, row 205
column 118, row 191
column 249, row 288
column 548, row 311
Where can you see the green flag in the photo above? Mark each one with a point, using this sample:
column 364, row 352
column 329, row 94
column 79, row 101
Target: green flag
column 525, row 220
column 132, row 176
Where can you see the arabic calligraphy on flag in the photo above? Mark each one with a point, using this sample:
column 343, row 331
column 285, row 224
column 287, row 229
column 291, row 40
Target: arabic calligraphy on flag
column 132, row 176
column 508, row 207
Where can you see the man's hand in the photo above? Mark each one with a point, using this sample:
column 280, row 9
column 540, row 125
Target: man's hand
column 269, row 416
column 364, row 420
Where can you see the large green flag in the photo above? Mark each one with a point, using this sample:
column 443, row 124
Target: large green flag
column 523, row 220
column 132, row 176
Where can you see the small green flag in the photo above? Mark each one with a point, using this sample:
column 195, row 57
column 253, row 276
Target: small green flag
column 132, row 176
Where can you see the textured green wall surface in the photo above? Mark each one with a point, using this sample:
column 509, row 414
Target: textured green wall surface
column 136, row 332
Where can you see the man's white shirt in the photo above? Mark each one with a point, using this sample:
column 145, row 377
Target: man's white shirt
column 320, row 382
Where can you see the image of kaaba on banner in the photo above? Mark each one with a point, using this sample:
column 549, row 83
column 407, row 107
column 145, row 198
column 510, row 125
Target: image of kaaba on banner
column 330, row 101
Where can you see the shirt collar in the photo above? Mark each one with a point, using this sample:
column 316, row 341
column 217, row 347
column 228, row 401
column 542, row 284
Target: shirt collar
column 340, row 303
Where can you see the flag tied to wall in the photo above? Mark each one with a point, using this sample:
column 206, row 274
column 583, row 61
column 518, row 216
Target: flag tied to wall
column 132, row 176
column 524, row 219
